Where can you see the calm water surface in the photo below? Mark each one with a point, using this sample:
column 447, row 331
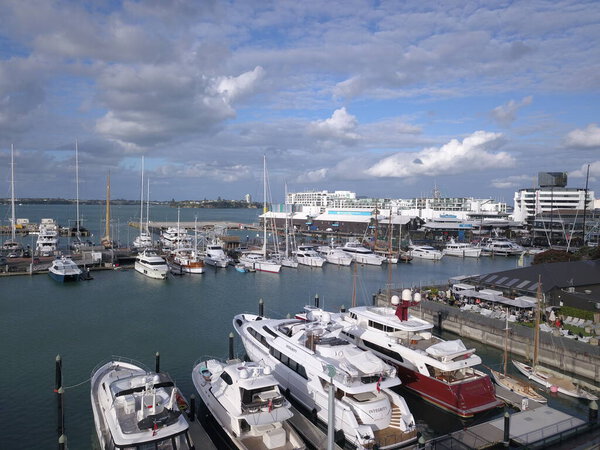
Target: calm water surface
column 184, row 318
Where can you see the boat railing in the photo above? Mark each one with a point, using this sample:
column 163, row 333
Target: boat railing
column 117, row 358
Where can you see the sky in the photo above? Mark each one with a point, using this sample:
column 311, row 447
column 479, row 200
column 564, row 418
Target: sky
column 387, row 99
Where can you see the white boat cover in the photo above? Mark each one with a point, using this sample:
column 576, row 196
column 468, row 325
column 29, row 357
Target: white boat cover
column 365, row 362
column 446, row 348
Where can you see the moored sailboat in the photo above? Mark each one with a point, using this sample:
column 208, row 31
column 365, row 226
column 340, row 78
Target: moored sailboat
column 512, row 383
column 540, row 374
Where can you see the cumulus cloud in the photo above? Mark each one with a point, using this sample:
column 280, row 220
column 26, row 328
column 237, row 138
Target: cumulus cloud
column 150, row 104
column 474, row 152
column 582, row 172
column 233, row 88
column 515, row 181
column 313, row 176
column 506, row 114
column 589, row 137
column 340, row 126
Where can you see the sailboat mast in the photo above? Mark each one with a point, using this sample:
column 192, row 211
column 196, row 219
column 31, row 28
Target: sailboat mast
column 286, row 223
column 506, row 344
column 264, row 249
column 12, row 192
column 142, row 199
column 536, row 331
column 77, row 184
column 148, row 210
column 107, row 218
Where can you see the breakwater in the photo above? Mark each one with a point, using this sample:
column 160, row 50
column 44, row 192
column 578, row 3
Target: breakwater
column 563, row 354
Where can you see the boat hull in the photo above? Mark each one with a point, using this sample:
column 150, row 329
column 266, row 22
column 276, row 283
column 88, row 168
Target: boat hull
column 517, row 386
column 548, row 380
column 150, row 273
column 463, row 399
column 63, row 278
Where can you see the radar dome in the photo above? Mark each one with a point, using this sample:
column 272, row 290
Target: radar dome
column 267, row 370
column 244, row 374
column 325, row 317
column 395, row 300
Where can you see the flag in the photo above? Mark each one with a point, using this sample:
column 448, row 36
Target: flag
column 154, row 429
column 379, row 385
column 270, row 404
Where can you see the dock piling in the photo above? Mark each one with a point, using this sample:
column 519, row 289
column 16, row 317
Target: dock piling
column 261, row 307
column 231, row 346
column 192, row 414
column 316, row 300
column 343, row 309
column 62, row 442
column 157, row 362
column 58, row 373
column 506, row 429
column 593, row 412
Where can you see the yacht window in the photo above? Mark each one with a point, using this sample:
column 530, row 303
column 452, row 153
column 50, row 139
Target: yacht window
column 302, row 372
column 384, row 350
column 268, row 330
column 353, row 316
column 350, row 335
column 226, row 378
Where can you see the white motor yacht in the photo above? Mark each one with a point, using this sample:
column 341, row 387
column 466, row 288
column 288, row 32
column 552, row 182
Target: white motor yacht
column 64, row 269
column 150, row 264
column 424, row 252
column 143, row 241
column 47, row 241
column 443, row 373
column 216, row 256
column 461, row 249
column 307, row 256
column 307, row 356
column 258, row 262
column 137, row 409
column 335, row 255
column 175, row 237
column 501, row 246
column 246, row 401
column 362, row 254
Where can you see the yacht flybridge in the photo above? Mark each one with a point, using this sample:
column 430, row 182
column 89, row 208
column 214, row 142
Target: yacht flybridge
column 441, row 372
column 136, row 409
column 246, row 401
column 306, row 356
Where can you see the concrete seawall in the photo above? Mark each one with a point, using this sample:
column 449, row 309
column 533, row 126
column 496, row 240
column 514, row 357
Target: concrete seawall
column 556, row 352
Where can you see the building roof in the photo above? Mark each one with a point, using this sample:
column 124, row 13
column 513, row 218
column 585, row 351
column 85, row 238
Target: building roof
column 560, row 275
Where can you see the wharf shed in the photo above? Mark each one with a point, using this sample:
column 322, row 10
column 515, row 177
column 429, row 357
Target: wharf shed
column 575, row 283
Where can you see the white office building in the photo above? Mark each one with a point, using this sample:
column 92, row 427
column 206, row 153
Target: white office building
column 530, row 203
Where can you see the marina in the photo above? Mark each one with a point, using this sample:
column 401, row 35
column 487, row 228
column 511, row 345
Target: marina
column 121, row 312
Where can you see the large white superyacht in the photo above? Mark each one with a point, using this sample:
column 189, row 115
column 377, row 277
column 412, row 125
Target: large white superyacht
column 362, row 254
column 137, row 409
column 307, row 356
column 246, row 401
column 443, row 373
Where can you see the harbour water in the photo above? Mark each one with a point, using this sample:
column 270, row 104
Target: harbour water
column 184, row 318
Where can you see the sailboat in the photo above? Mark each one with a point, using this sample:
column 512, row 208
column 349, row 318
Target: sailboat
column 543, row 376
column 255, row 260
column 13, row 247
column 143, row 240
column 106, row 240
column 77, row 244
column 511, row 383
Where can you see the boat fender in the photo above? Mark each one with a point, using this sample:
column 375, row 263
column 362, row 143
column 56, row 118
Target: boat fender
column 554, row 389
column 313, row 415
column 286, row 392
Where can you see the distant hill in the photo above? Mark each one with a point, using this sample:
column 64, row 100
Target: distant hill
column 219, row 203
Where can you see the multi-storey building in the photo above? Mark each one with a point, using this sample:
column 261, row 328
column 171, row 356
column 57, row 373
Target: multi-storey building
column 530, row 203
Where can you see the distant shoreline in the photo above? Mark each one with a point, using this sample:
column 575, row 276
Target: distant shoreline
column 237, row 204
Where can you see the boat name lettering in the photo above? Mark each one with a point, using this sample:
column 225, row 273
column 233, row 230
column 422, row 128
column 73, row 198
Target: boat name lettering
column 376, row 410
column 292, row 349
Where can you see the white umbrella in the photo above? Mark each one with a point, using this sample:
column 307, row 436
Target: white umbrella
column 552, row 317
